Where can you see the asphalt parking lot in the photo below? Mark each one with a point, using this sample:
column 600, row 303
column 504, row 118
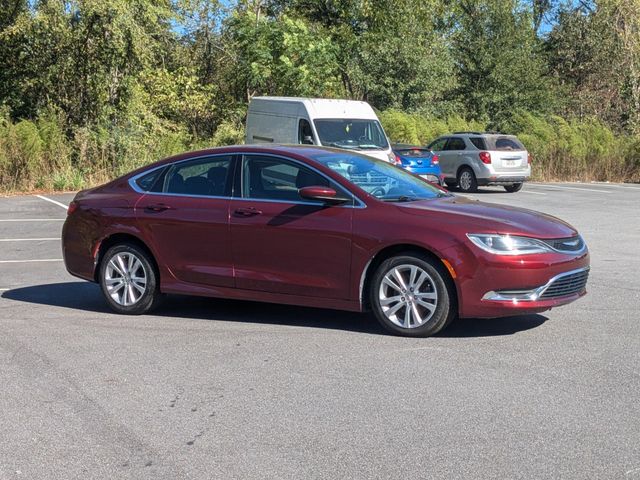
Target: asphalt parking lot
column 210, row 388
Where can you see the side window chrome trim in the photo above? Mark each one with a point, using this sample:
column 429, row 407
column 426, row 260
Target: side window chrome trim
column 356, row 204
column 136, row 187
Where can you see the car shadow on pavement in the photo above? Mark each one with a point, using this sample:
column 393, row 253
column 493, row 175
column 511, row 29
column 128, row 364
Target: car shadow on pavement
column 86, row 296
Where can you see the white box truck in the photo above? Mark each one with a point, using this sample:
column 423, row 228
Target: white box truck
column 346, row 124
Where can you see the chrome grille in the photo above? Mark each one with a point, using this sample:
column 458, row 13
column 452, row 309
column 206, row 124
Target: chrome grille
column 570, row 244
column 564, row 285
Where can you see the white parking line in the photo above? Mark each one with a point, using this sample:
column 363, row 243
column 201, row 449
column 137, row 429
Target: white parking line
column 32, row 219
column 32, row 261
column 533, row 193
column 55, row 202
column 29, row 239
column 557, row 187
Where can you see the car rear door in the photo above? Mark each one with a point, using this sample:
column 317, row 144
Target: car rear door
column 186, row 219
column 281, row 243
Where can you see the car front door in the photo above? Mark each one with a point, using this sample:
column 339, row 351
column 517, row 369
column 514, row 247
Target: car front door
column 281, row 243
column 185, row 215
column 438, row 147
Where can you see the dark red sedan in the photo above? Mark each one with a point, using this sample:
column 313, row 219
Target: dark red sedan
column 318, row 227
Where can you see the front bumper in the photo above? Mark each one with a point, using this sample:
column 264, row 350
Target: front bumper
column 497, row 286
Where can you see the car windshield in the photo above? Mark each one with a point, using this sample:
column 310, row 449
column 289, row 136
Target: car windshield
column 354, row 134
column 378, row 178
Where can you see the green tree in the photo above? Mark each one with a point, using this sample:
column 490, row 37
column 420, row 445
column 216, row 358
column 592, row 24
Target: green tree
column 501, row 67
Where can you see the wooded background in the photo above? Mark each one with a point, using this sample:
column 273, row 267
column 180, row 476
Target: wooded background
column 92, row 88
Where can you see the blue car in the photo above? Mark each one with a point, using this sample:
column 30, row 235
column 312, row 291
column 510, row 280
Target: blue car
column 419, row 161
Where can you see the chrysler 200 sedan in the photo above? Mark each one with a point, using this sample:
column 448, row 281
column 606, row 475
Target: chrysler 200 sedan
column 318, row 227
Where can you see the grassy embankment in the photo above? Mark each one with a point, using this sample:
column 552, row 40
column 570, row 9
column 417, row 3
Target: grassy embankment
column 43, row 155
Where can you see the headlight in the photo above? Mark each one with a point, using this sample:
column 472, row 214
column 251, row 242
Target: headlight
column 508, row 244
column 392, row 157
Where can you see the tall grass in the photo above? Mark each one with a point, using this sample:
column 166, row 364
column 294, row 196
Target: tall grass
column 45, row 155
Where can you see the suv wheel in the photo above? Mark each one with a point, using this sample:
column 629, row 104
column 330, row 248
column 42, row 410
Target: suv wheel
column 467, row 180
column 411, row 296
column 128, row 280
column 516, row 187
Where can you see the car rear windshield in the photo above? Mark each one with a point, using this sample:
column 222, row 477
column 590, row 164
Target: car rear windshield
column 413, row 152
column 503, row 143
column 378, row 178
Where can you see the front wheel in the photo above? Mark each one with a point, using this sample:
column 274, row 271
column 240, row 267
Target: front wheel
column 411, row 296
column 467, row 181
column 129, row 280
column 514, row 187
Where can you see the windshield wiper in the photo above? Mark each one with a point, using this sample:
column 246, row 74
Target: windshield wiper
column 337, row 145
column 401, row 198
column 368, row 146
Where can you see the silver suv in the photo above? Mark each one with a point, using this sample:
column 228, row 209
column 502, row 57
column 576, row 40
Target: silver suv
column 470, row 159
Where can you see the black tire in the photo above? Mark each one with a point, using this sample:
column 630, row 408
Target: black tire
column 467, row 181
column 147, row 300
column 515, row 187
column 450, row 184
column 445, row 307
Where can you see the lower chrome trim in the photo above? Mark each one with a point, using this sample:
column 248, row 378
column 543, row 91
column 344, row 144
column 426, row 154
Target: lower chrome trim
column 527, row 295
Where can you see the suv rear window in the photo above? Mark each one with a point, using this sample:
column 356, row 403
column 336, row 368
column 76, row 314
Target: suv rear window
column 478, row 142
column 503, row 143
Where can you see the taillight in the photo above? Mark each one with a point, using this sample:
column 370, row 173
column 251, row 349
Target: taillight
column 485, row 157
column 529, row 158
column 73, row 206
column 435, row 160
column 398, row 160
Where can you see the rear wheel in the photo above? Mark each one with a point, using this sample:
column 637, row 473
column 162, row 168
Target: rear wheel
column 450, row 184
column 515, row 187
column 128, row 280
column 467, row 181
column 411, row 297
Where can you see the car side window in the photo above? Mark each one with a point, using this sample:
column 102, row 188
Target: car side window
column 305, row 134
column 203, row 176
column 478, row 142
column 152, row 181
column 438, row 145
column 455, row 143
column 273, row 178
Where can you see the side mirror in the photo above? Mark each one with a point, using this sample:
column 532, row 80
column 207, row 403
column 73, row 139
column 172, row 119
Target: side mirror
column 323, row 194
column 308, row 140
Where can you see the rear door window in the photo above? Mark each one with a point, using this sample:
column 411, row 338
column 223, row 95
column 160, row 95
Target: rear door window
column 202, row 177
column 455, row 143
column 478, row 142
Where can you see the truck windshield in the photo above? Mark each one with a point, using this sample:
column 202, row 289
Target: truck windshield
column 356, row 134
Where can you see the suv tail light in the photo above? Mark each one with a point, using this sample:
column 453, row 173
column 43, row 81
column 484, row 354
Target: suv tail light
column 485, row 157
column 435, row 160
column 398, row 160
column 529, row 158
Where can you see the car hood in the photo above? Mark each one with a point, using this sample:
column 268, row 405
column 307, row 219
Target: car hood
column 481, row 217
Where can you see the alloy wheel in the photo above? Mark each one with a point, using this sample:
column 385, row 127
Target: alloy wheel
column 408, row 296
column 465, row 180
column 125, row 279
